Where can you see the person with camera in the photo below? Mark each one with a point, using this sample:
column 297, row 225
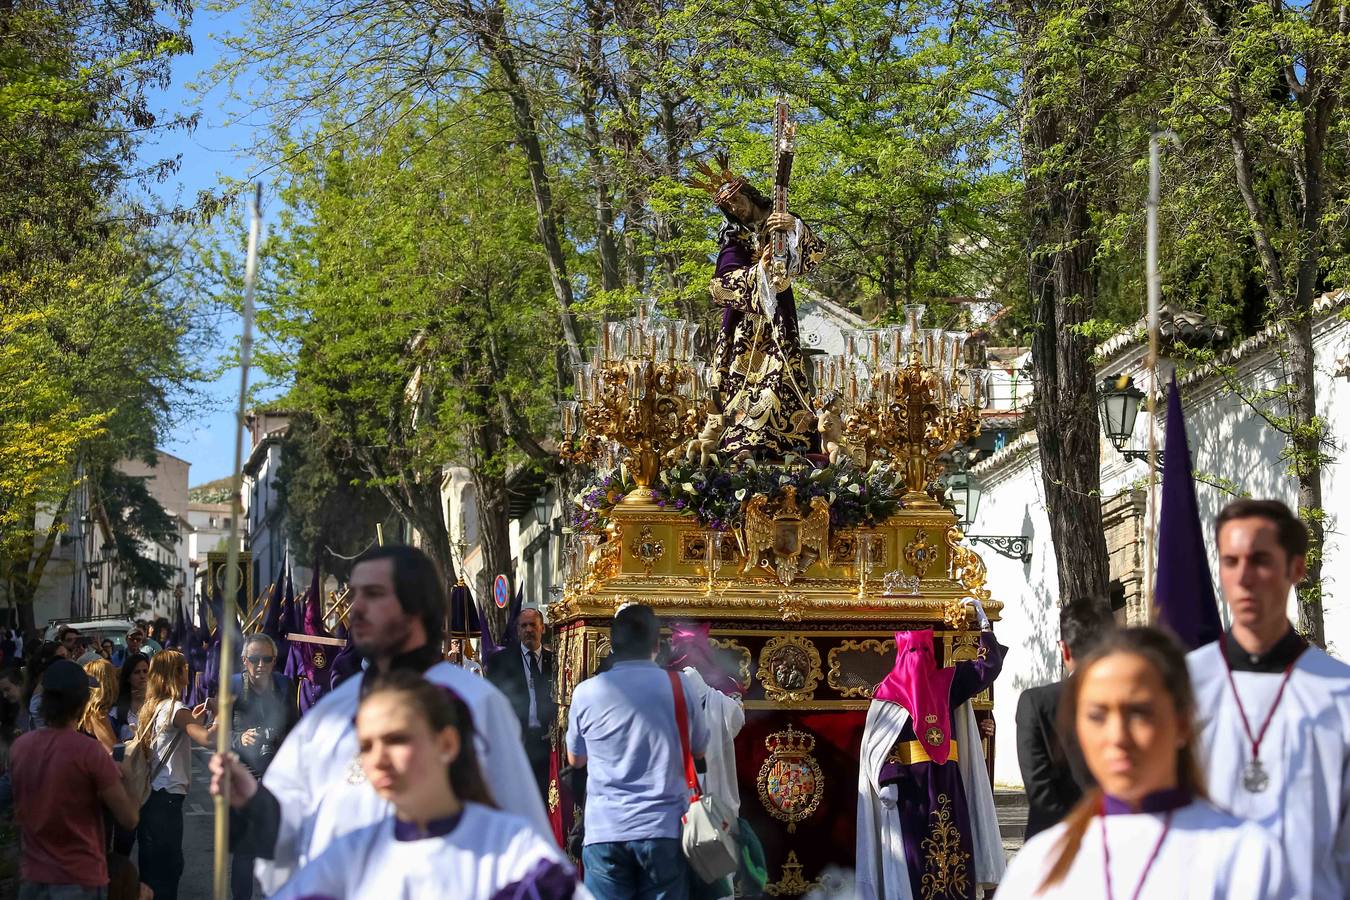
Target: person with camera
column 265, row 710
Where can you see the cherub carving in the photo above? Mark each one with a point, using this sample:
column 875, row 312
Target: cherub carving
column 831, row 428
column 709, row 440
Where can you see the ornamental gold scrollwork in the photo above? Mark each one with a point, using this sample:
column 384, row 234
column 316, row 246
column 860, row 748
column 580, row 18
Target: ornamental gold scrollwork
column 852, row 684
column 843, row 547
column 963, row 648
column 920, row 554
column 792, row 884
column 967, row 569
column 789, row 669
column 791, row 783
column 647, row 548
column 944, row 861
column 693, row 547
column 790, row 606
column 743, row 658
column 606, row 564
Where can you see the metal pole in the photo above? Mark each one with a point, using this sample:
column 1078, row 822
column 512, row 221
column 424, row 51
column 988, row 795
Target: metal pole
column 225, row 704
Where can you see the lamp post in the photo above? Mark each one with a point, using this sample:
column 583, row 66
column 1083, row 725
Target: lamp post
column 1118, row 400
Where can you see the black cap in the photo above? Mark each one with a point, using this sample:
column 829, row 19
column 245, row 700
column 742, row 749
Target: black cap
column 66, row 677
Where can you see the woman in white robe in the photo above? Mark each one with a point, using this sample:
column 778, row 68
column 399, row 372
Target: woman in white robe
column 446, row 837
column 1147, row 831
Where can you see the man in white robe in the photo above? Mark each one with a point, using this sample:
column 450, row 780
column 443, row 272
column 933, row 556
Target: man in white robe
column 315, row 792
column 931, row 771
column 1274, row 713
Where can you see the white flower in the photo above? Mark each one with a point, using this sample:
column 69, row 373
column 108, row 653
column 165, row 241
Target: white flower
column 853, row 488
column 688, row 487
column 740, row 495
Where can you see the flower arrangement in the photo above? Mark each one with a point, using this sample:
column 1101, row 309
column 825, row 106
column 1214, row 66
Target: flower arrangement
column 590, row 510
column 715, row 496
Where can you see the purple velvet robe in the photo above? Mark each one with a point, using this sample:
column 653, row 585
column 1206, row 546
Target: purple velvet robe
column 934, row 814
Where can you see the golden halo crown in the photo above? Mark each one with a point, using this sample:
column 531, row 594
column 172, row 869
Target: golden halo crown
column 719, row 182
column 790, row 743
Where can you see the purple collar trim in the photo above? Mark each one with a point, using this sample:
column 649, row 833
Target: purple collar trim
column 1157, row 802
column 408, row 831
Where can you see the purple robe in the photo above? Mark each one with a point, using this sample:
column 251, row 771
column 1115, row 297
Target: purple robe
column 758, row 359
column 934, row 814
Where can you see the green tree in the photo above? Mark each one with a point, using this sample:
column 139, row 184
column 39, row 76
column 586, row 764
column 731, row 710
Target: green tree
column 90, row 342
column 331, row 511
column 424, row 338
column 1258, row 97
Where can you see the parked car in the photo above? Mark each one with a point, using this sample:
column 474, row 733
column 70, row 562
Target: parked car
column 112, row 628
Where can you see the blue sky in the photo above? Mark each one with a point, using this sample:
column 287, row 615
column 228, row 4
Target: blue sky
column 215, row 148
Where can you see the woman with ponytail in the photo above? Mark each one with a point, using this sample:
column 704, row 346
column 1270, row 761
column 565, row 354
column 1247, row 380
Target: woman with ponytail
column 446, row 838
column 1147, row 830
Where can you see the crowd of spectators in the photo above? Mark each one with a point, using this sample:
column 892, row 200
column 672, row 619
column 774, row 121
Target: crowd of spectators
column 71, row 711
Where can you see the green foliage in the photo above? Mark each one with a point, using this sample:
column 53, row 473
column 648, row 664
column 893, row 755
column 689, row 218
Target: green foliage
column 91, row 341
column 327, row 505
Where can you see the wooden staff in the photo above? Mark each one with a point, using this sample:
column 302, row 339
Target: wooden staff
column 228, row 618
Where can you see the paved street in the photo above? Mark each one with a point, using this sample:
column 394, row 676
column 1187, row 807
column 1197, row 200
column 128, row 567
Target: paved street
column 198, row 832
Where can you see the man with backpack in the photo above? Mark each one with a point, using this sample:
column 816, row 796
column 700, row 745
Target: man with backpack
column 63, row 780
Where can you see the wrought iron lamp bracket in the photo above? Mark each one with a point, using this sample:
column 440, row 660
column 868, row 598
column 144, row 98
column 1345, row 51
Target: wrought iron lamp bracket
column 1013, row 546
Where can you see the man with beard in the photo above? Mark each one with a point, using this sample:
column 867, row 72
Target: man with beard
column 315, row 792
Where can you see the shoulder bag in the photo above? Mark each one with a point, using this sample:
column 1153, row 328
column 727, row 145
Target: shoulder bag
column 708, row 834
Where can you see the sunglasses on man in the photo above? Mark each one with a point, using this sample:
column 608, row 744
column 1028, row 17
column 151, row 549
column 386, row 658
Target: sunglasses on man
column 260, row 660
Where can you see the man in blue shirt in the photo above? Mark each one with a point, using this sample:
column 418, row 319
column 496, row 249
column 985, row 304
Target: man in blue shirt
column 622, row 728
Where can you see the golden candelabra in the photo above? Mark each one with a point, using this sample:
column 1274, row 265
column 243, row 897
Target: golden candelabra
column 642, row 392
column 906, row 396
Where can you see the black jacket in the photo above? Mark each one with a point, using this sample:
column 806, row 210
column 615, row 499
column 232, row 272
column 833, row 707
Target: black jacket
column 1052, row 768
column 273, row 715
column 506, row 670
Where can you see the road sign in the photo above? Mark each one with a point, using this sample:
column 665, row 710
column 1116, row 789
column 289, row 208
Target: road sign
column 501, row 592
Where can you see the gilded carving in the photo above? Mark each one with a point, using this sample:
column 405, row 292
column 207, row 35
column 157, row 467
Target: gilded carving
column 843, row 547
column 791, row 783
column 780, row 539
column 920, row 554
column 790, row 606
column 693, row 547
column 967, row 569
column 743, row 658
column 647, row 548
column 789, row 669
column 945, row 862
column 853, row 683
column 792, row 884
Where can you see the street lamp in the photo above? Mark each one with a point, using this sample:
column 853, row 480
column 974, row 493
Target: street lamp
column 1119, row 400
column 965, row 492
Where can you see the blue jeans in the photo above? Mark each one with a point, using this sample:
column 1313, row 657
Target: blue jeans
column 653, row 869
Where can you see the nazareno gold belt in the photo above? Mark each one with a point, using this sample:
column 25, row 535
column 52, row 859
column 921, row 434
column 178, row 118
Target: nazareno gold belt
column 910, row 752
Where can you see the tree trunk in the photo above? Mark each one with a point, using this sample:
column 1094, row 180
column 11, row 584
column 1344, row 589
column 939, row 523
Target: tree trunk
column 601, row 187
column 1065, row 400
column 494, row 532
column 1306, row 440
column 490, row 29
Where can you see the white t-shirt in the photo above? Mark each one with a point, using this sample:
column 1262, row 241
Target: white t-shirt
column 176, row 776
column 485, row 854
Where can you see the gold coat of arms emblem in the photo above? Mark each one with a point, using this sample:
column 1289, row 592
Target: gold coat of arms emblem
column 791, row 783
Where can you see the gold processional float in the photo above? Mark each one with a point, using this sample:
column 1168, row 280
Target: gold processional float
column 805, row 568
